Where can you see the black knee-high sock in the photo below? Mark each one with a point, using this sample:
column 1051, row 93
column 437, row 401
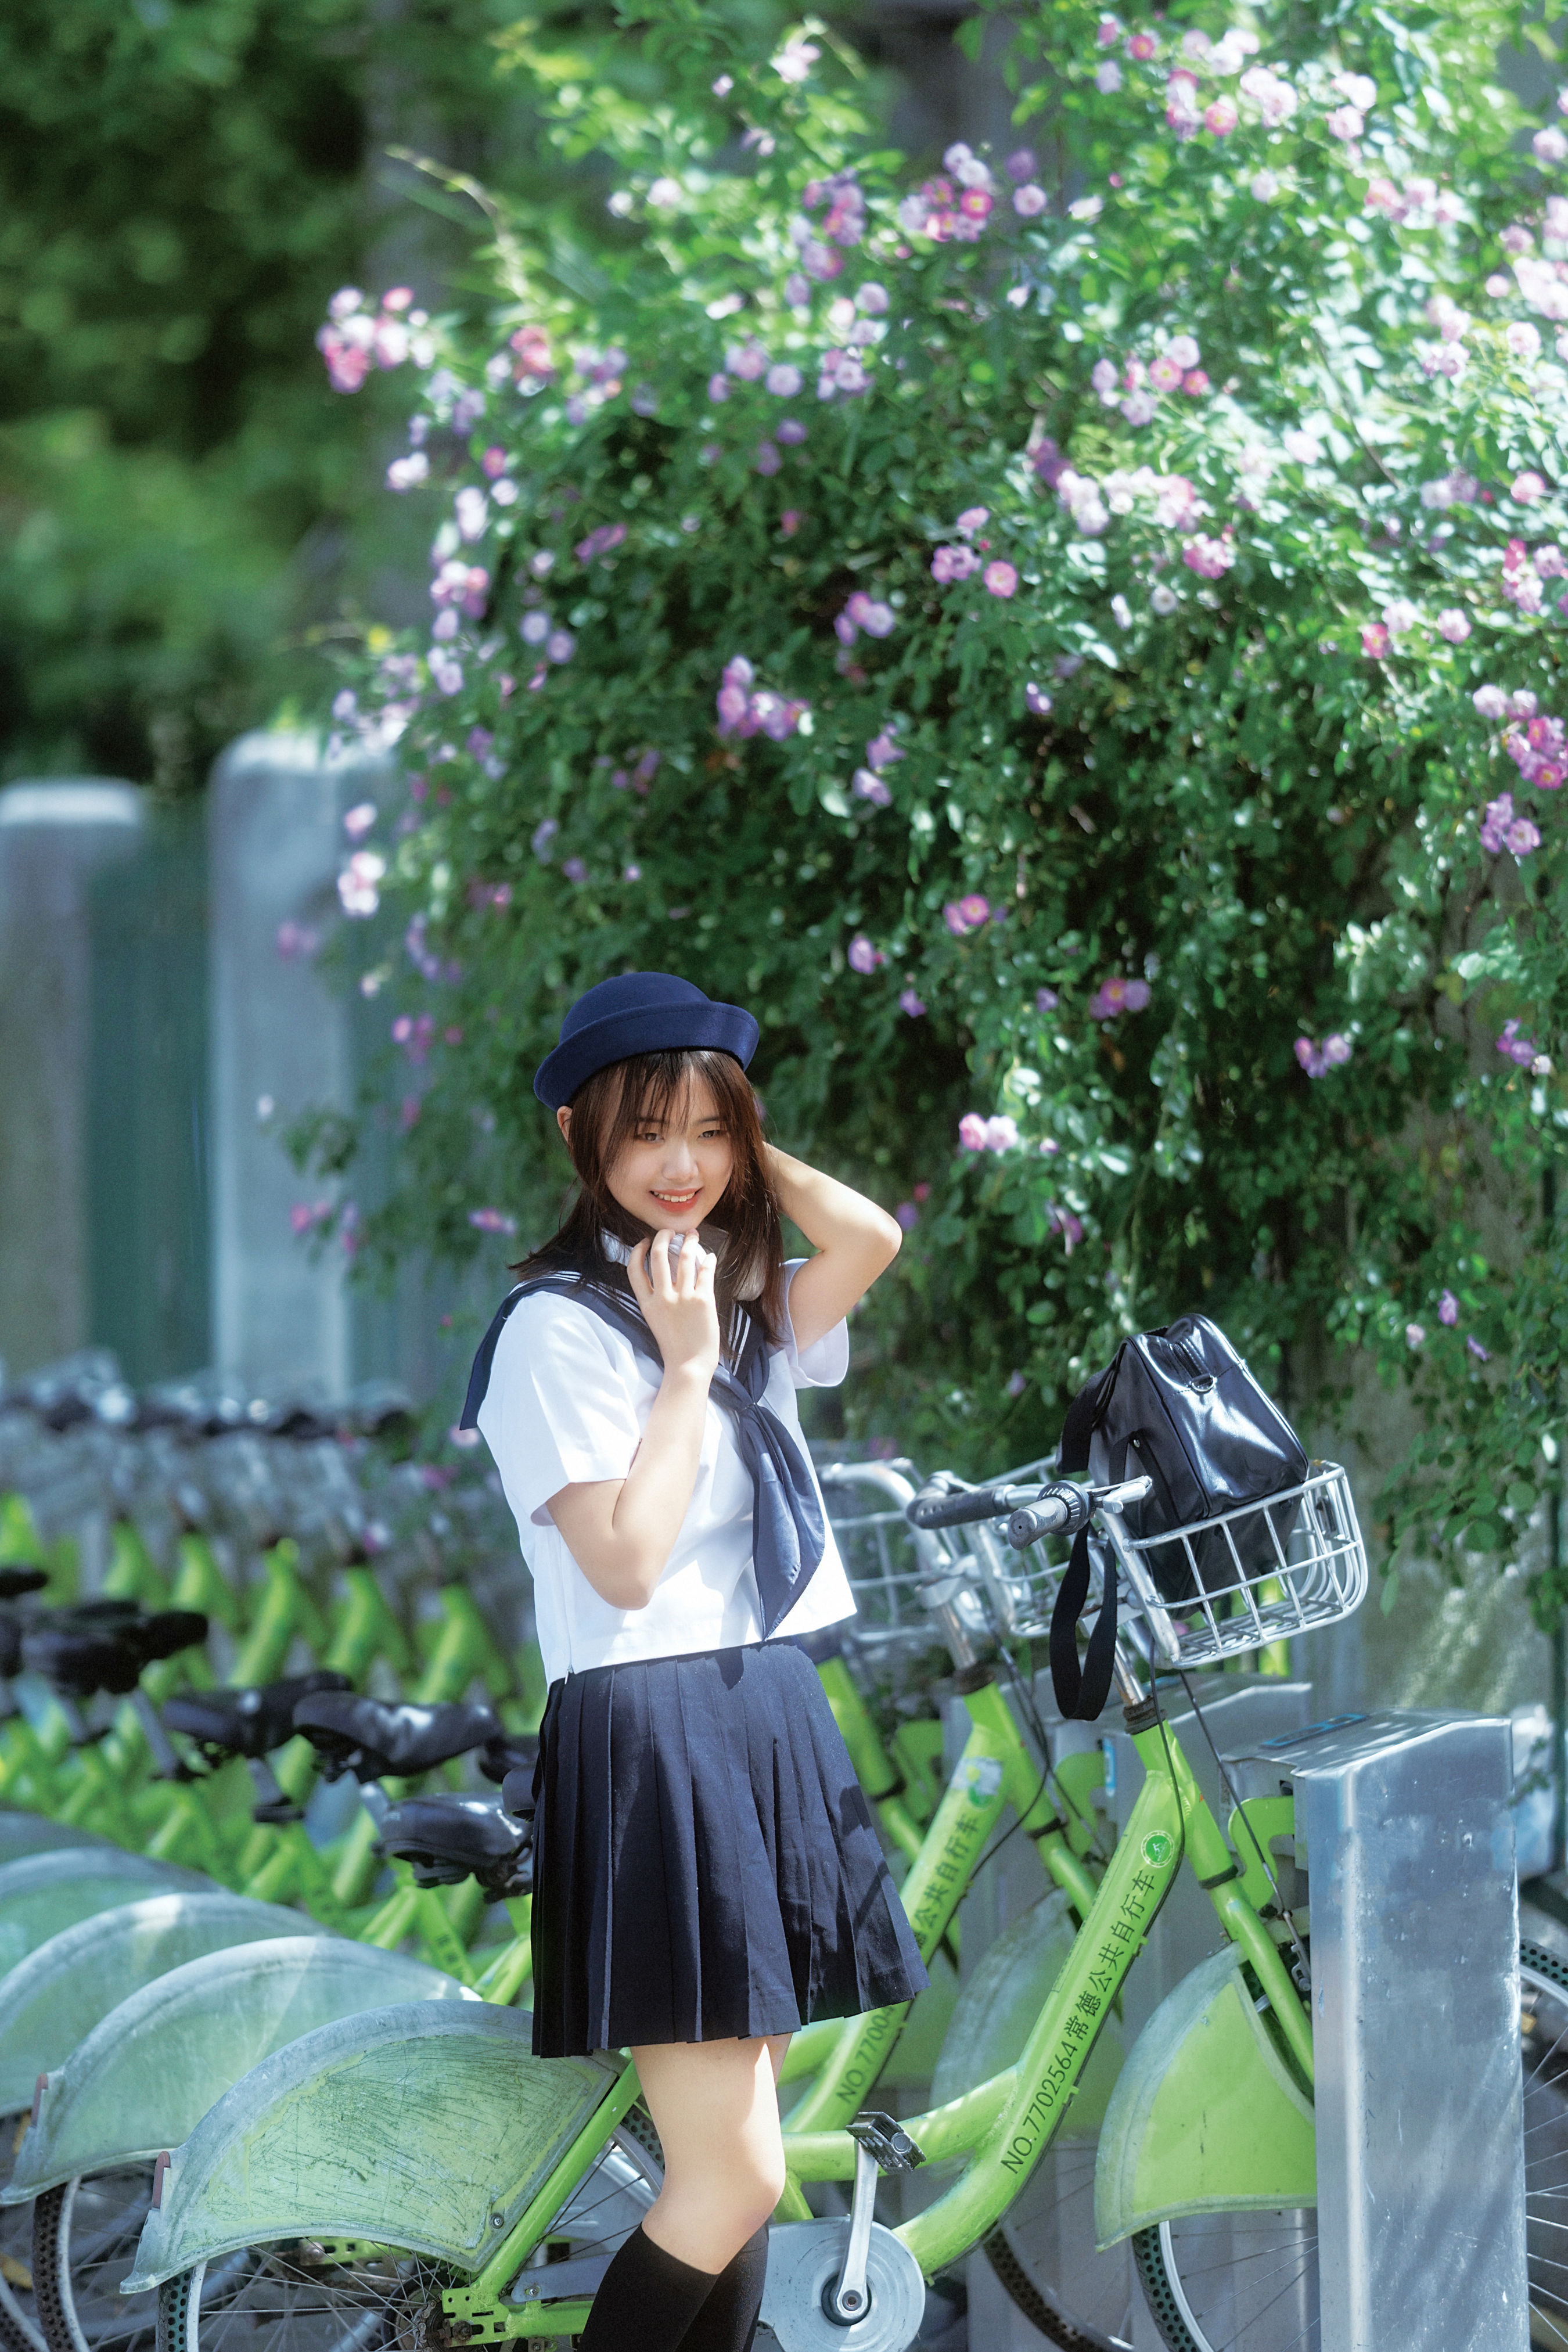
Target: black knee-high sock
column 647, row 2302
column 728, row 2320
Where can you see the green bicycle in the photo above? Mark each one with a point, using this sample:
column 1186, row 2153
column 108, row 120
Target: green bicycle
column 271, row 2221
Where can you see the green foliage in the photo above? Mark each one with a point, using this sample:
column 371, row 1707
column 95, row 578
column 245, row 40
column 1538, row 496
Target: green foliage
column 179, row 179
column 1186, row 789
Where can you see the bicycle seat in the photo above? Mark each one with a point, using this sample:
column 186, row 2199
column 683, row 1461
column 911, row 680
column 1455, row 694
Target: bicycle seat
column 107, row 1654
column 452, row 1838
column 16, row 1580
column 367, row 1738
column 248, row 1722
column 508, row 1751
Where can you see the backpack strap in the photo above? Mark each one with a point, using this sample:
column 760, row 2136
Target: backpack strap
column 1081, row 1692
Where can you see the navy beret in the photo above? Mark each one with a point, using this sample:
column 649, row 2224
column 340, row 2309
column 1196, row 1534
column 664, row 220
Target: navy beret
column 638, row 1012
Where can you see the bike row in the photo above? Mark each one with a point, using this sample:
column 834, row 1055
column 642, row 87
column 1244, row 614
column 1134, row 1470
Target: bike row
column 196, row 2137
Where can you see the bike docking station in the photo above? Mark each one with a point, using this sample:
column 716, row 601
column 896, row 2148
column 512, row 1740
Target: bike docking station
column 1403, row 1831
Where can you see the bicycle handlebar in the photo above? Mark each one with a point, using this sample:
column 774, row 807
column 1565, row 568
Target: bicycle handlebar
column 963, row 1508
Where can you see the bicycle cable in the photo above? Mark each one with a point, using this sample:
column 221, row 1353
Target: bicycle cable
column 1237, row 1807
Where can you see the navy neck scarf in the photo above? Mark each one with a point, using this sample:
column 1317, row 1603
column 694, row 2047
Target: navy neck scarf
column 788, row 1534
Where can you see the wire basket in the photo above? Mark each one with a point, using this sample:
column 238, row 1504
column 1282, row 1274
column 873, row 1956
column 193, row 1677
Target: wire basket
column 1216, row 1589
column 889, row 1568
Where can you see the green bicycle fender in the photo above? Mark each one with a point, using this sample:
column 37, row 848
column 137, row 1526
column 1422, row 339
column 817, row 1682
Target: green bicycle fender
column 58, row 1993
column 148, row 2072
column 42, row 1892
column 427, row 2126
column 1207, row 2117
column 23, row 1833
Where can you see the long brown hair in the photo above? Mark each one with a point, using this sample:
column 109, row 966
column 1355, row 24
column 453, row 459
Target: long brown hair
column 606, row 1112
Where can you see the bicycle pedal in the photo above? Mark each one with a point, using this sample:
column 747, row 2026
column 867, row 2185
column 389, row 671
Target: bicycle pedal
column 885, row 2137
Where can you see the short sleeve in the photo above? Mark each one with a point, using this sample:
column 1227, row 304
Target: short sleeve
column 824, row 1364
column 561, row 1409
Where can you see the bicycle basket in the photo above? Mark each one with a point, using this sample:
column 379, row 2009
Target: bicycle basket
column 865, row 1509
column 1283, row 1565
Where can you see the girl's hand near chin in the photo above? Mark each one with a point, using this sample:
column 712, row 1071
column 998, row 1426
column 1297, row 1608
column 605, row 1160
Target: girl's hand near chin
column 854, row 1242
column 677, row 1299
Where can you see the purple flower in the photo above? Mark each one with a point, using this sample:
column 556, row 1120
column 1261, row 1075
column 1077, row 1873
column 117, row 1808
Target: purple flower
column 783, row 379
column 608, row 536
column 767, row 459
column 882, row 750
column 574, row 871
column 1063, row 1222
column 863, row 956
column 867, row 786
column 907, row 1216
column 544, row 833
column 790, row 431
column 1448, row 1308
column 912, row 1004
column 1045, row 1000
column 1475, row 1349
column 1319, row 1060
column 1016, row 1383
column 718, row 388
column 492, row 1220
column 965, row 915
column 1036, row 700
column 1519, row 1049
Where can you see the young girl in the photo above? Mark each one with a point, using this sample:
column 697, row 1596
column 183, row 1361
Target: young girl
column 707, row 1875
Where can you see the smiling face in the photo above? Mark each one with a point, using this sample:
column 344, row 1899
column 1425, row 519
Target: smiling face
column 675, row 1168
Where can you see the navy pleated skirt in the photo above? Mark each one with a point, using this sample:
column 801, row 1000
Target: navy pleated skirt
column 706, row 1865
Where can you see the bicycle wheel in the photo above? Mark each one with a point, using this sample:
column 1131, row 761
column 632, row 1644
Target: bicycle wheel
column 19, row 2329
column 1249, row 2281
column 316, row 2296
column 84, row 2241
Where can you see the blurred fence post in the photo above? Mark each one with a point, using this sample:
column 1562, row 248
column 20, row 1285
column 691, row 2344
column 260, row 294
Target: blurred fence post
column 281, row 1042
column 54, row 837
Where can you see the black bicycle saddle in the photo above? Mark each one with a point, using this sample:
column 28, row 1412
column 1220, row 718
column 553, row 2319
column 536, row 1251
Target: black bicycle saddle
column 16, row 1581
column 508, row 1751
column 248, row 1722
column 451, row 1838
column 367, row 1738
column 77, row 1658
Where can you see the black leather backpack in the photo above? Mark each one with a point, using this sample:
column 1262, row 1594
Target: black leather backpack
column 1180, row 1408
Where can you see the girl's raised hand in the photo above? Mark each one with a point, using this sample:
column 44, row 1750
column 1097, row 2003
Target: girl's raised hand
column 677, row 1301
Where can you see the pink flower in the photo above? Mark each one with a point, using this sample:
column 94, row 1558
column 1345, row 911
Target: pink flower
column 1028, row 201
column 1118, row 995
column 1527, row 488
column 358, row 882
column 1375, row 640
column 1001, row 579
column 965, row 915
column 970, row 520
column 863, row 956
column 718, row 388
column 1415, row 1333
column 1209, row 558
column 1453, row 624
column 910, row 1004
column 971, row 1131
column 1448, row 1309
column 1490, row 701
column 1472, row 1343
column 1220, row 117
column 1516, row 1048
column 951, row 564
column 1344, row 123
column 1142, row 47
column 977, row 1134
column 1194, row 384
column 1165, row 374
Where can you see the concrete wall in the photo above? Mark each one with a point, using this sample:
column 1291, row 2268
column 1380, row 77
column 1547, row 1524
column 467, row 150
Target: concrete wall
column 54, row 838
